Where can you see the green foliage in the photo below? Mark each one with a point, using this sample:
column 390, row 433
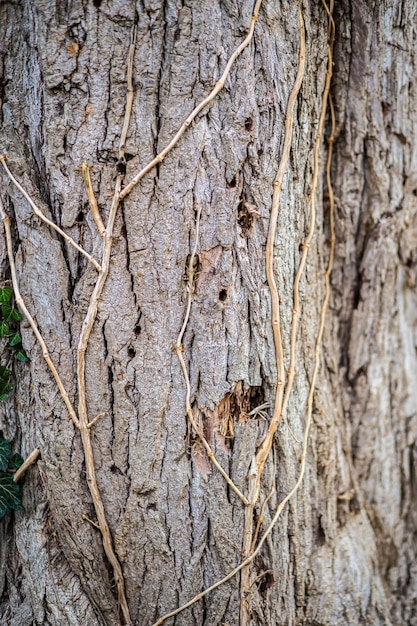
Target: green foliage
column 10, row 492
column 9, row 317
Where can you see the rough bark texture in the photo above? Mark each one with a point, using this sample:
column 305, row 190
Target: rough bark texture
column 345, row 549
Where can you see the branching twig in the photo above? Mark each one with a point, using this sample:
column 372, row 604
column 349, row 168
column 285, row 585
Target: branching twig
column 219, row 86
column 42, row 217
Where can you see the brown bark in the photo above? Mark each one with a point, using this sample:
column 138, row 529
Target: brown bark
column 344, row 551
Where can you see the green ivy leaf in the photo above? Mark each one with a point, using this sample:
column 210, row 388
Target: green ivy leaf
column 22, row 356
column 5, row 295
column 15, row 461
column 4, row 329
column 15, row 340
column 10, row 314
column 5, row 387
column 4, row 372
column 5, row 449
column 10, row 498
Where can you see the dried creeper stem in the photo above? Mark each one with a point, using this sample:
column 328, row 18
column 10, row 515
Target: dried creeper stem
column 81, row 421
column 307, row 243
column 130, row 93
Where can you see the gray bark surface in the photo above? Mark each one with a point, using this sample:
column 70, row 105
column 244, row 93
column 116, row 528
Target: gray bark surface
column 345, row 549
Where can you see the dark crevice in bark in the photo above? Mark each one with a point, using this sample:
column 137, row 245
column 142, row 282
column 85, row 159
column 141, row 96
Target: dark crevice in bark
column 161, row 85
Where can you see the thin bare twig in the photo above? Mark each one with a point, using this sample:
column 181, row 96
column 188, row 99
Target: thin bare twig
column 85, row 171
column 87, row 519
column 218, row 87
column 258, row 578
column 95, row 419
column 42, row 217
column 130, row 93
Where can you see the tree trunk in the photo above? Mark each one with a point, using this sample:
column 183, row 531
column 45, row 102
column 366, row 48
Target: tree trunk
column 344, row 550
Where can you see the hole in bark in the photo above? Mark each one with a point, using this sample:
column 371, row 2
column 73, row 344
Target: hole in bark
column 104, row 156
column 138, row 329
column 385, row 107
column 97, row 3
column 121, row 167
column 128, row 156
column 77, row 33
column 196, row 266
column 80, row 217
column 236, row 407
column 222, row 295
column 131, row 352
column 249, row 124
column 256, row 397
column 244, row 217
column 321, row 535
column 266, row 582
column 232, row 183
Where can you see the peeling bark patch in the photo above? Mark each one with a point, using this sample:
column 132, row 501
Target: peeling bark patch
column 235, row 407
column 209, row 261
column 218, row 425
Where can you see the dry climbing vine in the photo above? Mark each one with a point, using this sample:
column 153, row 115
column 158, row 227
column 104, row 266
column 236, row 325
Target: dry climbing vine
column 80, row 417
column 250, row 548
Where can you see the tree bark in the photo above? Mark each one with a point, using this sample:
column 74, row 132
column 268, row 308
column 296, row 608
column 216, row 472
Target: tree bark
column 344, row 549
